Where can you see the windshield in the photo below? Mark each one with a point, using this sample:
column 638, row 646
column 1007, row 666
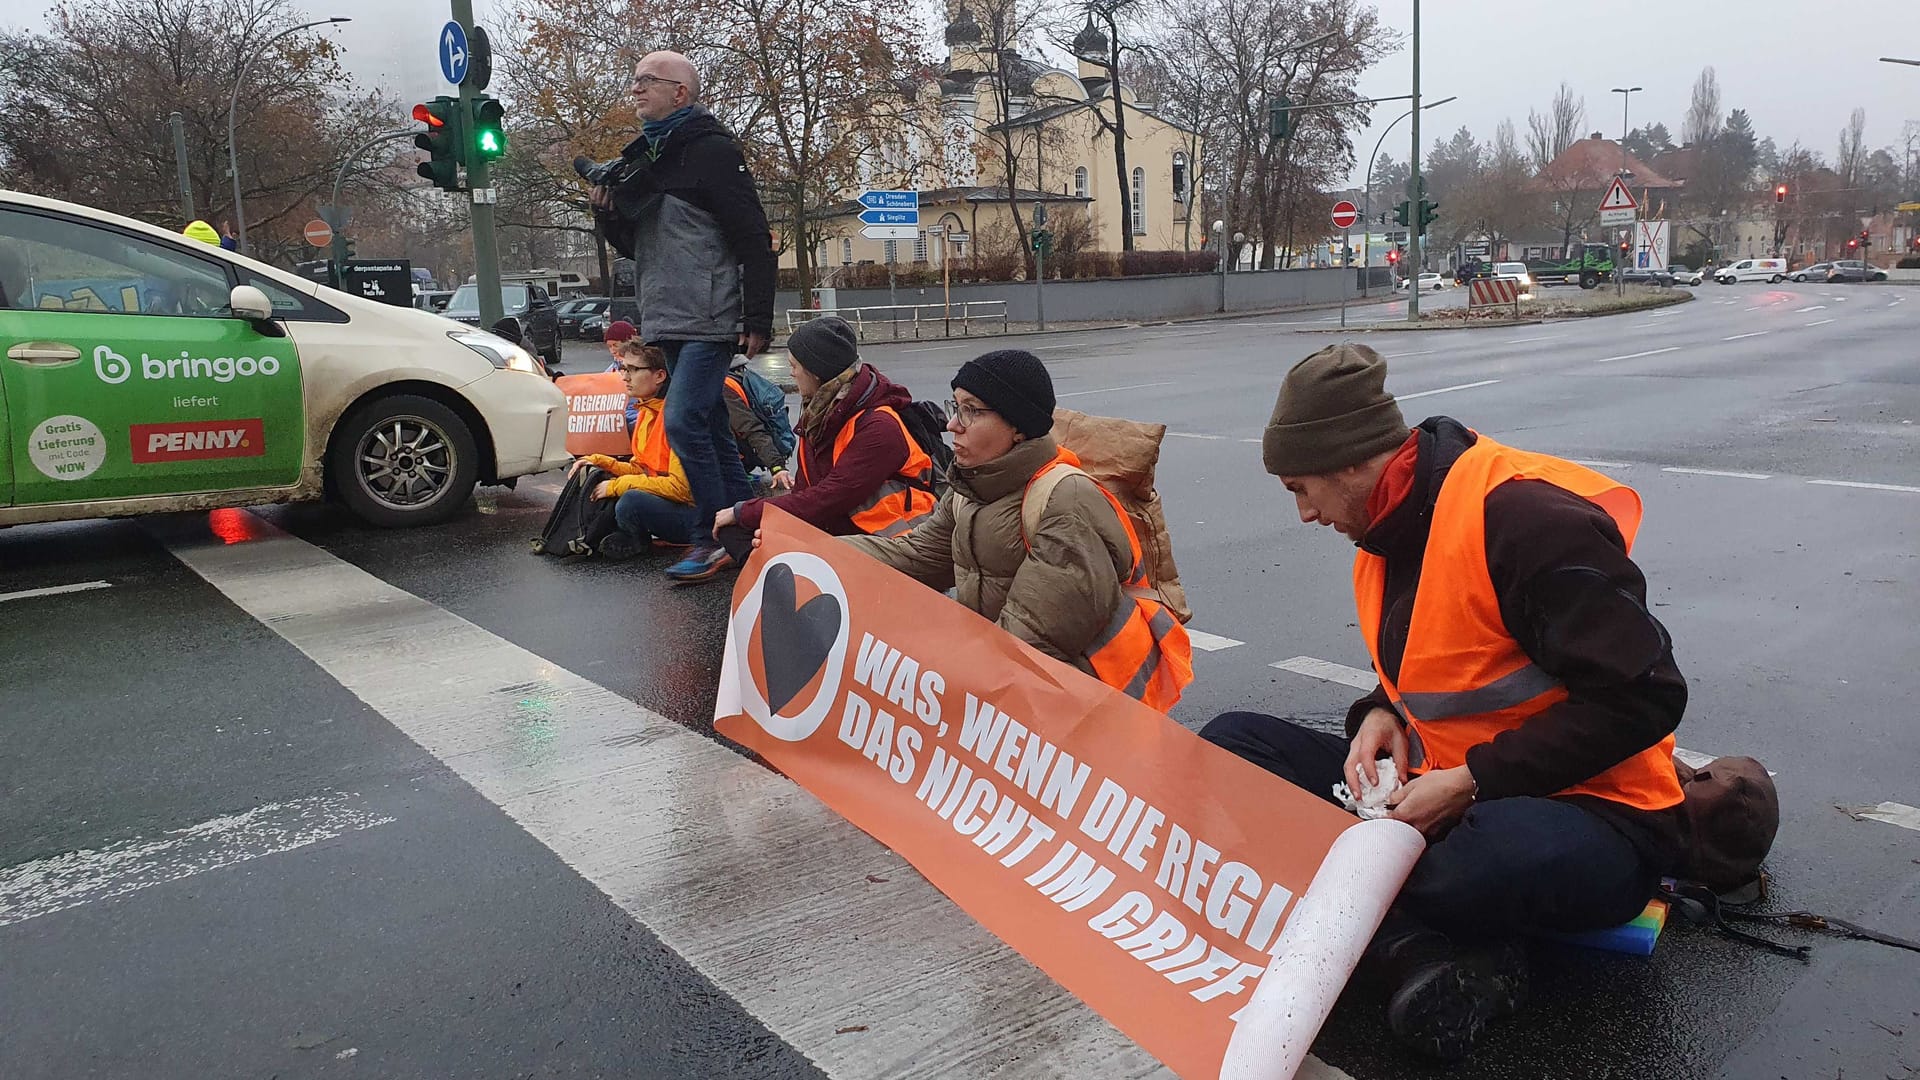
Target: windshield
column 1511, row 268
column 466, row 300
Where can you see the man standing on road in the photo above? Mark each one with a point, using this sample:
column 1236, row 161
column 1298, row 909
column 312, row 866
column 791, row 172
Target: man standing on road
column 1520, row 675
column 682, row 205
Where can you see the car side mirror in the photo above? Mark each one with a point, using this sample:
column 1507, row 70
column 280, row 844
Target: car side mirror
column 249, row 303
column 509, row 328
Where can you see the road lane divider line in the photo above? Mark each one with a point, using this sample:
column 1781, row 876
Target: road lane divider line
column 41, row 887
column 1637, row 355
column 1717, row 472
column 1116, row 389
column 56, row 590
column 1197, row 435
column 1210, row 642
column 1819, row 322
column 1892, row 813
column 1866, row 486
column 1445, row 390
column 809, row 923
column 1755, row 333
column 1524, row 340
column 1809, row 307
column 1398, row 355
column 1593, row 464
column 1843, row 299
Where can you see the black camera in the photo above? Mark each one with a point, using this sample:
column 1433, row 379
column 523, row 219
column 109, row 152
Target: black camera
column 598, row 173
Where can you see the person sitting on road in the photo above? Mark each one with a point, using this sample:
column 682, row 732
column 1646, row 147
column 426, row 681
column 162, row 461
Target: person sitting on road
column 618, row 332
column 759, row 444
column 1073, row 586
column 859, row 470
column 655, row 504
column 1520, row 674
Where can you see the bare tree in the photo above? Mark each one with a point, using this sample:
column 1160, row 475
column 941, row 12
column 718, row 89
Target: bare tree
column 1703, row 111
column 1549, row 136
column 1098, row 43
column 1850, row 162
column 1185, row 96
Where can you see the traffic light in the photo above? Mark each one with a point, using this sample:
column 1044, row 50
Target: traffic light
column 1780, row 193
column 1393, row 256
column 1279, row 123
column 1428, row 212
column 1401, row 211
column 1866, row 239
column 441, row 141
column 1853, row 242
column 489, row 136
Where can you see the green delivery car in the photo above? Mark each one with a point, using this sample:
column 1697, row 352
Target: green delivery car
column 146, row 371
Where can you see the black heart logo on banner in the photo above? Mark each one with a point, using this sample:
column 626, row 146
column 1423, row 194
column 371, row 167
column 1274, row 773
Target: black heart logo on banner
column 794, row 640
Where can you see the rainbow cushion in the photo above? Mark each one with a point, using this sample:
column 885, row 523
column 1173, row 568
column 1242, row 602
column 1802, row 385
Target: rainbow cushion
column 1635, row 938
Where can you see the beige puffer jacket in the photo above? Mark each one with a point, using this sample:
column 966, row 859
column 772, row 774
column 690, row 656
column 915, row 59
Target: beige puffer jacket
column 1059, row 595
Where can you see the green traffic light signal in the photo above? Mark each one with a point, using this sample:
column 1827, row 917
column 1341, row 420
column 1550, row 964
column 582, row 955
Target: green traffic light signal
column 441, row 141
column 489, row 132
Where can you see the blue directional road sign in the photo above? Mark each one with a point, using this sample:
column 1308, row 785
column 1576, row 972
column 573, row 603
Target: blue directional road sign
column 453, row 52
column 890, row 217
column 891, row 200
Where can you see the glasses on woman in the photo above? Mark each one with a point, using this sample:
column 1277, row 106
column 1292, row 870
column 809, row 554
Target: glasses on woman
column 965, row 415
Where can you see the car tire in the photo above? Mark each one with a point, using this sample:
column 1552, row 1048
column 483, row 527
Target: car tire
column 1775, row 279
column 553, row 358
column 417, row 437
column 1589, row 280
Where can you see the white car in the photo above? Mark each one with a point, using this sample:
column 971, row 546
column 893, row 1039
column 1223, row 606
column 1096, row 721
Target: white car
column 1515, row 272
column 147, row 372
column 1684, row 276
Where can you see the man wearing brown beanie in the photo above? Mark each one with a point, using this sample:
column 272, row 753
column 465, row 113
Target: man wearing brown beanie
column 1522, row 681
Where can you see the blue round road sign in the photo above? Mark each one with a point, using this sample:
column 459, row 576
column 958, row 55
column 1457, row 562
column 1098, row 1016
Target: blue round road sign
column 453, row 52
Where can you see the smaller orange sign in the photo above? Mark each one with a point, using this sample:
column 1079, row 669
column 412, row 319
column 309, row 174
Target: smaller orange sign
column 596, row 414
column 319, row 233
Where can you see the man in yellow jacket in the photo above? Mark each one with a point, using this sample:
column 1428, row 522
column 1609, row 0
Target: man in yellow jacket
column 655, row 504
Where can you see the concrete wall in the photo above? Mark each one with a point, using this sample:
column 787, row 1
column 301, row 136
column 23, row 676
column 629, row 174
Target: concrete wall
column 1130, row 299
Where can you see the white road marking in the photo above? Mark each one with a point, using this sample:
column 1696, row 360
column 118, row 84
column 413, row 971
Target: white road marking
column 1524, row 340
column 1116, row 389
column 1328, row 671
column 1445, row 390
column 1809, row 307
column 1819, row 322
column 1843, row 299
column 44, row 886
column 1737, row 337
column 1592, row 464
column 1717, row 472
column 1210, row 642
column 1638, row 355
column 55, row 590
column 1865, row 485
column 1756, row 307
column 1182, row 333
column 1196, row 435
column 935, row 348
column 1069, row 345
column 785, row 906
column 1397, row 355
column 1893, row 813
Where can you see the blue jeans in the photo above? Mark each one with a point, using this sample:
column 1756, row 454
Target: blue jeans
column 1511, row 866
column 699, row 431
column 646, row 516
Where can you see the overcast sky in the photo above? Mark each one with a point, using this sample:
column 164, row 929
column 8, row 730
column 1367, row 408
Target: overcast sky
column 1798, row 67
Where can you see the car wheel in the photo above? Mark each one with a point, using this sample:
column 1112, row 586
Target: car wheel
column 1774, row 280
column 553, row 358
column 1589, row 279
column 403, row 460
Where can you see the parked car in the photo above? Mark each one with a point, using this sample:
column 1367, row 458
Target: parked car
column 1769, row 270
column 1684, row 276
column 150, row 372
column 528, row 306
column 1646, row 275
column 433, row 300
column 1855, row 270
column 574, row 312
column 594, row 327
column 1816, row 272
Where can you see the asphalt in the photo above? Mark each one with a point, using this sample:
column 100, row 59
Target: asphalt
column 444, row 940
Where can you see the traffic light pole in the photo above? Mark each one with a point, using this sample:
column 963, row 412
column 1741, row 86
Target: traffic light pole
column 1415, row 192
column 486, row 254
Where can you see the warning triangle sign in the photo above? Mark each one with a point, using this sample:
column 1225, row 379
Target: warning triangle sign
column 1618, row 197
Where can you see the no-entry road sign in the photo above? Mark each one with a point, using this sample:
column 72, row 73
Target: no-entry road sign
column 319, row 233
column 1344, row 214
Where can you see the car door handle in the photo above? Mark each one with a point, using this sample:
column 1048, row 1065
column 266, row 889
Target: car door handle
column 43, row 352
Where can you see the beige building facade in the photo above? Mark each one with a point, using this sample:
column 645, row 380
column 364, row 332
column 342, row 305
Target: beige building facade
column 956, row 125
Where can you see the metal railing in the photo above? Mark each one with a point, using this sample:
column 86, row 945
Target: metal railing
column 916, row 316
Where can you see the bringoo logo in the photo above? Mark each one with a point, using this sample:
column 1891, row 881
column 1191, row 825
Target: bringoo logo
column 797, row 642
column 110, row 365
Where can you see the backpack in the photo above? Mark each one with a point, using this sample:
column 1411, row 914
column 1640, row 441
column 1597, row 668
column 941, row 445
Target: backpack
column 926, row 423
column 769, row 402
column 1121, row 456
column 578, row 521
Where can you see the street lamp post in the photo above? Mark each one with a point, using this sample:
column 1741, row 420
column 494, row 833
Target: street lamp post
column 1626, row 95
column 1415, row 192
column 233, row 103
column 1366, row 196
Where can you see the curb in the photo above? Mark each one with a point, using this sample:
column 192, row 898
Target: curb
column 1657, row 302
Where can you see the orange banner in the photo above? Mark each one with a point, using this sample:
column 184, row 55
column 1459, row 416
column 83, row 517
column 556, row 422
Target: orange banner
column 1147, row 871
column 596, row 414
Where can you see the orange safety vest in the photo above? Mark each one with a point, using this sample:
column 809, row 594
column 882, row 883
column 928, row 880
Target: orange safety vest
column 905, row 500
column 1464, row 679
column 1144, row 652
column 650, row 449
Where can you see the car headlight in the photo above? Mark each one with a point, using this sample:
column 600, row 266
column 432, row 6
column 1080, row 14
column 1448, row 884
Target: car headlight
column 503, row 353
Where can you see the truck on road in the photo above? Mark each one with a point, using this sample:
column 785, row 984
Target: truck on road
column 1586, row 265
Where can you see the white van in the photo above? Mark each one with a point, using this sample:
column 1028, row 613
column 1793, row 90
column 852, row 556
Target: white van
column 1769, row 270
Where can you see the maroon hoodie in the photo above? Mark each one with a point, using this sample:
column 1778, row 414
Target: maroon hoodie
column 827, row 492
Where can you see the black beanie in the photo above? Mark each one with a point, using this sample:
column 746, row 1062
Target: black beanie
column 825, row 346
column 1015, row 384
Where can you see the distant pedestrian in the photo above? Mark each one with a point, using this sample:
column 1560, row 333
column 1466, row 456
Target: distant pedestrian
column 682, row 205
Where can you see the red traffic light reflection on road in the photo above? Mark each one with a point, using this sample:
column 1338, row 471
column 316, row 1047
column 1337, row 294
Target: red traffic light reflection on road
column 424, row 114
